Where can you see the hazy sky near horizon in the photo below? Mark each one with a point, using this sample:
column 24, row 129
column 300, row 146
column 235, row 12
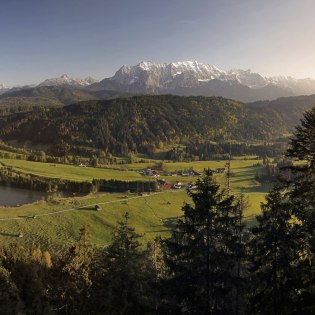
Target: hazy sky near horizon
column 43, row 38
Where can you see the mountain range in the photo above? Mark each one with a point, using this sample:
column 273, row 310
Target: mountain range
column 188, row 78
column 63, row 81
column 66, row 81
column 19, row 100
column 195, row 78
column 3, row 88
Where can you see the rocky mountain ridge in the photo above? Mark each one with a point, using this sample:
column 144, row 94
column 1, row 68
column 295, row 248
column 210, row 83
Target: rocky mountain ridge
column 196, row 78
column 187, row 78
column 66, row 81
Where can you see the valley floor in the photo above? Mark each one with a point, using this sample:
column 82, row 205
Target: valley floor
column 57, row 222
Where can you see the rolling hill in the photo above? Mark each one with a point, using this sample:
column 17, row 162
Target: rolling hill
column 145, row 123
column 49, row 96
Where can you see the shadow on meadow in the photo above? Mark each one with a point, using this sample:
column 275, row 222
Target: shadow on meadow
column 9, row 234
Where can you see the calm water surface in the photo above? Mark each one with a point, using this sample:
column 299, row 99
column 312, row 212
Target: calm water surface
column 10, row 196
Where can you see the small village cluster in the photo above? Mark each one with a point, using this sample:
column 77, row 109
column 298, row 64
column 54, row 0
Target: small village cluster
column 156, row 173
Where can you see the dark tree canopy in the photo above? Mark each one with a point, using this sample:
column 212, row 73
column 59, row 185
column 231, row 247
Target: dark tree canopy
column 202, row 254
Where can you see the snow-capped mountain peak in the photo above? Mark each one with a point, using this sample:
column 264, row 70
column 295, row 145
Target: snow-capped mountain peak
column 148, row 65
column 67, row 81
column 197, row 78
column 89, row 80
column 3, row 88
column 163, row 74
column 189, row 73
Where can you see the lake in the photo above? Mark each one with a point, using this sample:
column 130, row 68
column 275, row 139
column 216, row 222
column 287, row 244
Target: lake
column 10, row 196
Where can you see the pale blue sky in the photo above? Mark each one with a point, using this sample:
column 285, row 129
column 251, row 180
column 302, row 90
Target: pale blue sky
column 43, row 38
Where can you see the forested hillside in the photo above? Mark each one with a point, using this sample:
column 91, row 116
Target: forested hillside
column 48, row 96
column 289, row 109
column 146, row 123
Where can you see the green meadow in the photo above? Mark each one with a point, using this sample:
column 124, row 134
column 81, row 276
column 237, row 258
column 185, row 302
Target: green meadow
column 58, row 220
column 70, row 172
column 57, row 224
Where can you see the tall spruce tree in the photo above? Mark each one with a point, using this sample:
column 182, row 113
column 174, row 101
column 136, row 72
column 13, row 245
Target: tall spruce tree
column 282, row 249
column 72, row 293
column 275, row 258
column 202, row 255
column 29, row 275
column 10, row 302
column 124, row 285
column 301, row 189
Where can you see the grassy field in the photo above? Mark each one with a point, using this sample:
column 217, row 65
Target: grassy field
column 71, row 172
column 58, row 222
column 242, row 179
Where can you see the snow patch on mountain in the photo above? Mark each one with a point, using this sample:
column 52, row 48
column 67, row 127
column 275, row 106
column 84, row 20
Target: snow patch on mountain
column 184, row 73
column 3, row 88
column 65, row 80
column 167, row 75
column 148, row 76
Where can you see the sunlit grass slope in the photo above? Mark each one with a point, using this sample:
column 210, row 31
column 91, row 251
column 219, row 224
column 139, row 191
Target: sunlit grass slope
column 71, row 172
column 57, row 223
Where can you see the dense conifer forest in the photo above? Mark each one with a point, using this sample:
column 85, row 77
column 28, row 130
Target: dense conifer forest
column 27, row 99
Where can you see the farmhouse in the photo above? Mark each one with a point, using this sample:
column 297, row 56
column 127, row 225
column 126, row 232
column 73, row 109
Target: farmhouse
column 161, row 181
column 98, row 207
column 178, row 185
column 151, row 172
